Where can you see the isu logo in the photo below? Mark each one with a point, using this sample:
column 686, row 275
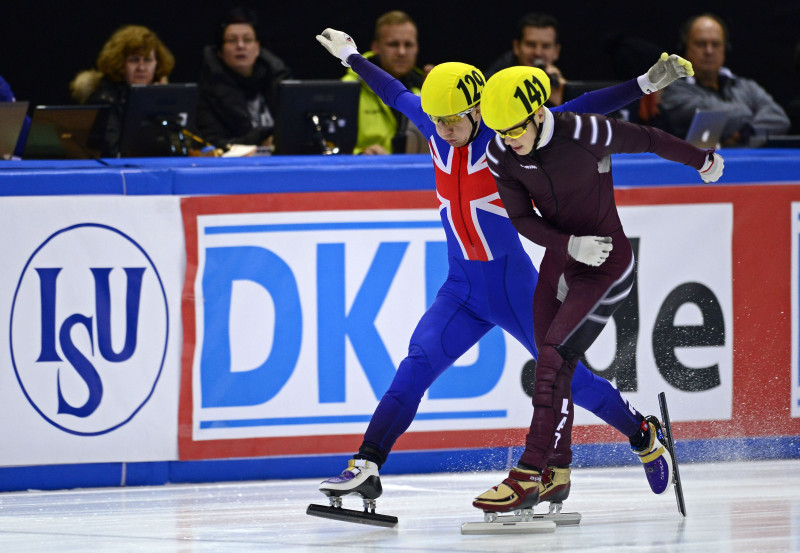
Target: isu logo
column 89, row 329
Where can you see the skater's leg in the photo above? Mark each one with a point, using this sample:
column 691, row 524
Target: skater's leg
column 550, row 436
column 589, row 302
column 599, row 396
column 445, row 333
column 512, row 311
column 602, row 398
column 512, row 282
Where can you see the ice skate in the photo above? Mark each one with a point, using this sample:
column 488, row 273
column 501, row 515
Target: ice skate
column 553, row 487
column 359, row 478
column 655, row 456
column 519, row 491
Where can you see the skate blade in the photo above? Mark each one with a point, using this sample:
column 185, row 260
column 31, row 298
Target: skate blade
column 676, row 475
column 349, row 515
column 498, row 527
column 560, row 519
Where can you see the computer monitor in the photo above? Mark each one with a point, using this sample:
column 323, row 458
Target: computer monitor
column 66, row 132
column 574, row 89
column 12, row 117
column 317, row 117
column 154, row 119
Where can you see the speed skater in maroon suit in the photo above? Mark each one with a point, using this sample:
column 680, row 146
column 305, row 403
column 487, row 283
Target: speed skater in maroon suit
column 560, row 162
column 491, row 279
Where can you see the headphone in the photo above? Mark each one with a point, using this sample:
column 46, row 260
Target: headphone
column 683, row 37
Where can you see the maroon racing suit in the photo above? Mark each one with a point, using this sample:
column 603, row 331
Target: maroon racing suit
column 568, row 177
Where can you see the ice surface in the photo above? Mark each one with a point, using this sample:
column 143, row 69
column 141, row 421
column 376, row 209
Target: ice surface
column 732, row 507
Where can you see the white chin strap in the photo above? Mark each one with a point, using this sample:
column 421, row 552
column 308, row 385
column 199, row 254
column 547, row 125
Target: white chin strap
column 545, row 130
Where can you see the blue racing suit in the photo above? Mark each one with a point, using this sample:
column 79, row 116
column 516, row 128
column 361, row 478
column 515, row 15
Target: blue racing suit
column 491, row 279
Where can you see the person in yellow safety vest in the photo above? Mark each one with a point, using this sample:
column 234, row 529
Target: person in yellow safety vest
column 381, row 129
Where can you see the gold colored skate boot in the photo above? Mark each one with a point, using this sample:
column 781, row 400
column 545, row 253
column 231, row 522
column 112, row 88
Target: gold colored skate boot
column 519, row 491
column 555, row 485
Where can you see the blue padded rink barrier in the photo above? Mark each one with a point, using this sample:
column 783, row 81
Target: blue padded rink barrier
column 198, row 176
column 746, row 506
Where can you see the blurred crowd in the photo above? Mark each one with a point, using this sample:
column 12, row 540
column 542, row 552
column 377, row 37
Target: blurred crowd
column 239, row 78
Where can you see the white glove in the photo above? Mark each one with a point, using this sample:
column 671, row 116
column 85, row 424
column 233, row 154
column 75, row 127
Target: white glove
column 665, row 71
column 592, row 250
column 338, row 43
column 711, row 170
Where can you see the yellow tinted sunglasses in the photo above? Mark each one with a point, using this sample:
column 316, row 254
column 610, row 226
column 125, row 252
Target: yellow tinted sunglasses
column 450, row 119
column 516, row 132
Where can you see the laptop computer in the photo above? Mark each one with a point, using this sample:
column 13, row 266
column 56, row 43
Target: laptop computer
column 66, row 132
column 12, row 117
column 706, row 128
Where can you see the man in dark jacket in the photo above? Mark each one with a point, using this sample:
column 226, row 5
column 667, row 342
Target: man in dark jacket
column 238, row 85
column 536, row 44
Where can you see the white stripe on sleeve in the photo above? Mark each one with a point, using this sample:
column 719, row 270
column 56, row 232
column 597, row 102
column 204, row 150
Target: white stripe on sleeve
column 578, row 124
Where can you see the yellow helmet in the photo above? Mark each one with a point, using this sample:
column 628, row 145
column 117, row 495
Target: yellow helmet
column 512, row 95
column 452, row 88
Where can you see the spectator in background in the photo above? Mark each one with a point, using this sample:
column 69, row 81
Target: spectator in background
column 627, row 54
column 6, row 95
column 381, row 129
column 133, row 55
column 704, row 41
column 238, row 84
column 793, row 107
column 536, row 44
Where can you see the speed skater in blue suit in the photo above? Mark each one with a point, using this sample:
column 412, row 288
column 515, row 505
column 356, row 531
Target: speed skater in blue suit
column 491, row 278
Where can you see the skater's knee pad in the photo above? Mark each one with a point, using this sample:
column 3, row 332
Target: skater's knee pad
column 568, row 354
column 562, row 385
column 546, row 371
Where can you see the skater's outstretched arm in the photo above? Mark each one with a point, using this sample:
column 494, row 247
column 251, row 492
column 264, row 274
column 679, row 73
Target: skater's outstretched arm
column 390, row 90
column 664, row 72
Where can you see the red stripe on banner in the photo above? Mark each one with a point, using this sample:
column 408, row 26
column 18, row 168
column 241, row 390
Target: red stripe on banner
column 185, row 395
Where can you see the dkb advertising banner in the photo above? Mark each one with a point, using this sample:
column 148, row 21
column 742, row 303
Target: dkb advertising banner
column 299, row 307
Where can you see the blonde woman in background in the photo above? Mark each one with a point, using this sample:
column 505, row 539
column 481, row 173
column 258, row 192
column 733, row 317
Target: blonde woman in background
column 132, row 55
